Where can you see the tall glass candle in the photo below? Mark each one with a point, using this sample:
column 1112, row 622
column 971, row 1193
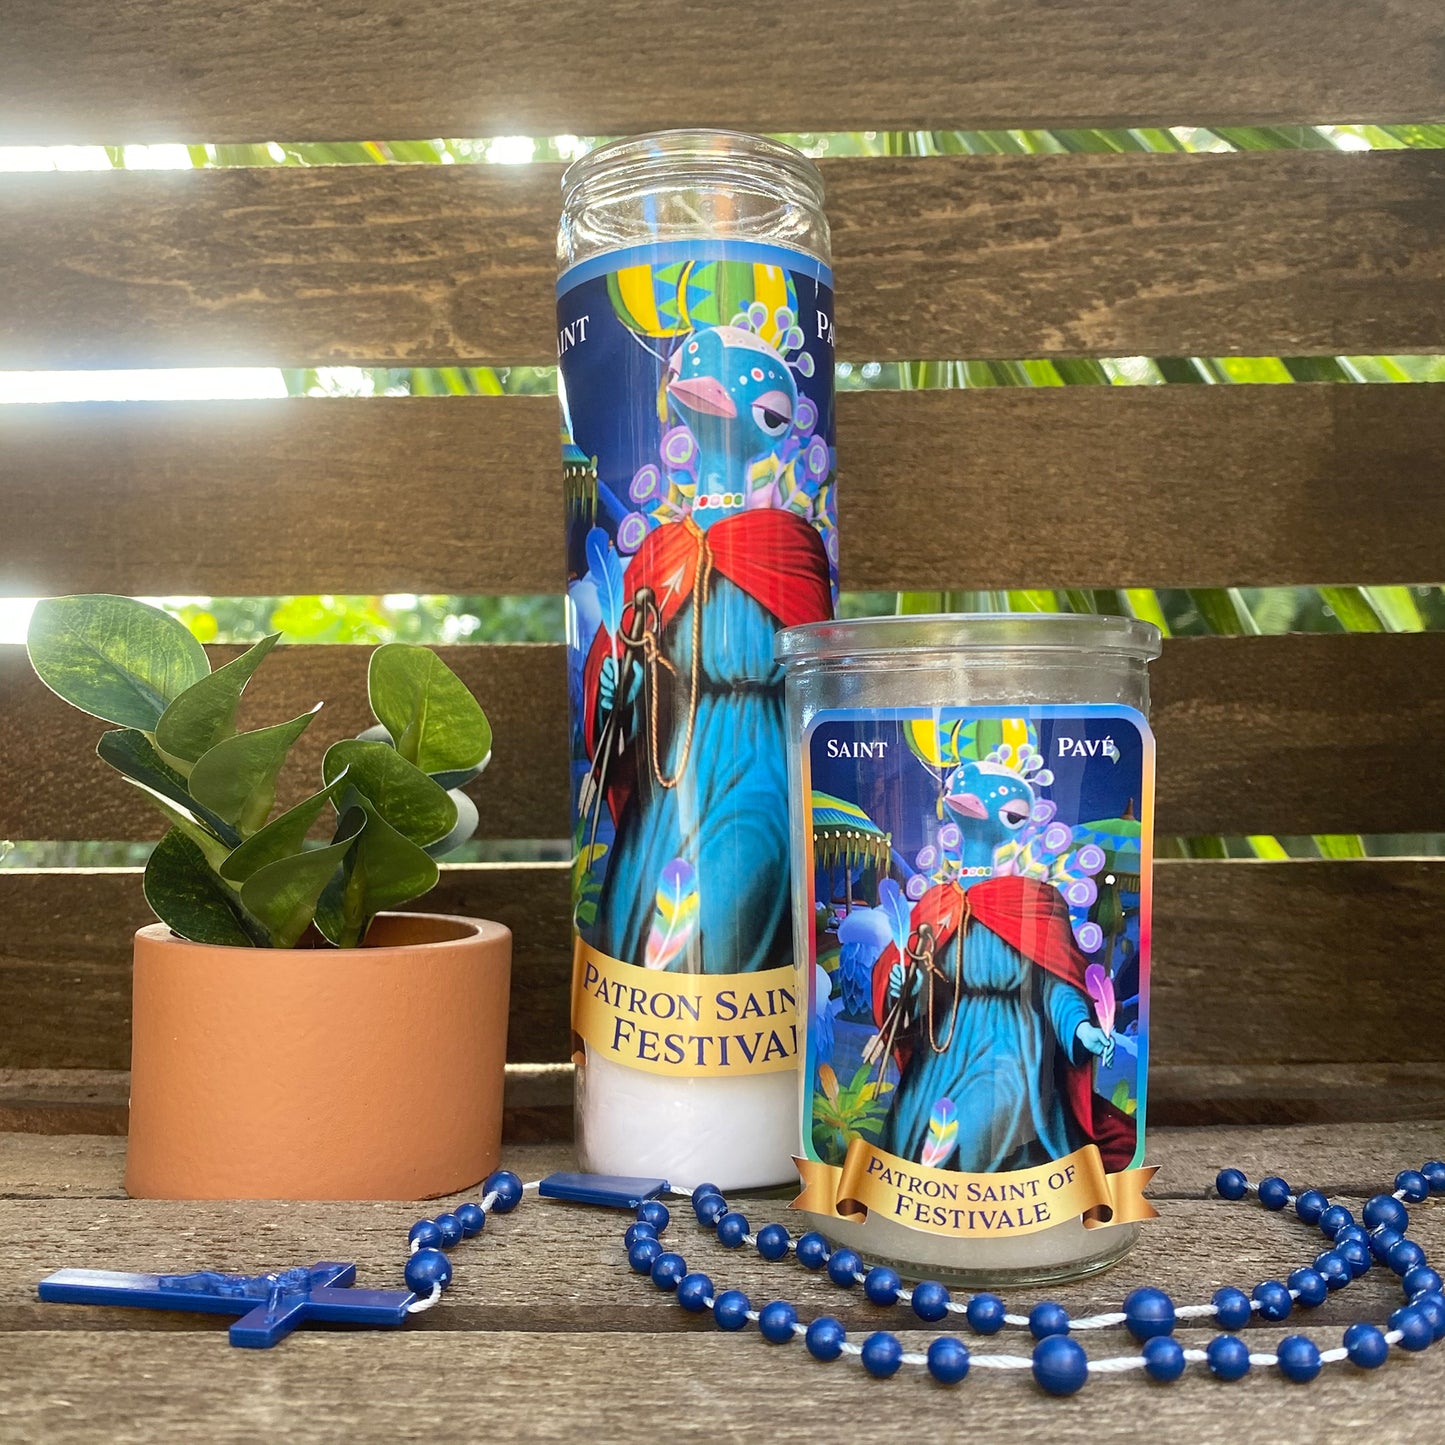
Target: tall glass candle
column 695, row 351
column 972, row 803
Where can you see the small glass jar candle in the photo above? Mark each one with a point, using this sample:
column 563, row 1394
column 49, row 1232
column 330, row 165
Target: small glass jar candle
column 695, row 352
column 972, row 808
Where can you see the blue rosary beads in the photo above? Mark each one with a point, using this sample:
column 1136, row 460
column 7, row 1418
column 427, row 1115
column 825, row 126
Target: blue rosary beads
column 428, row 1270
column 1058, row 1362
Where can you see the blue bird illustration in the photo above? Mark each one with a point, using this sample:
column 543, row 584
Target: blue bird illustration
column 738, row 398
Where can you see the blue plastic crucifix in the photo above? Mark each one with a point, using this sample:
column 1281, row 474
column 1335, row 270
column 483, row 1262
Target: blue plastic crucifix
column 270, row 1305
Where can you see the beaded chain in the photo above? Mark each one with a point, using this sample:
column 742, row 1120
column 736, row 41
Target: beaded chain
column 1058, row 1362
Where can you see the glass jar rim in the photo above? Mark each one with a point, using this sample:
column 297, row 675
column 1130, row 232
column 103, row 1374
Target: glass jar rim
column 872, row 637
column 671, row 147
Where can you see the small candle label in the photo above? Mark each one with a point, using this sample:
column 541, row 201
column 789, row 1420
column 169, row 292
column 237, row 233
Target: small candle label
column 977, row 993
column 696, row 384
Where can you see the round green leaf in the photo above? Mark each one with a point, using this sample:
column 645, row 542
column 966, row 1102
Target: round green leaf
column 384, row 870
column 280, row 838
column 237, row 777
column 189, row 898
column 409, row 800
column 130, row 752
column 114, row 657
column 427, row 708
column 283, row 894
column 205, row 713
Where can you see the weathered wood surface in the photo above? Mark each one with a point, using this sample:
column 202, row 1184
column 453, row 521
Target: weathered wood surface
column 169, row 70
column 1290, row 735
column 527, row 1337
column 1259, row 253
column 1137, row 487
column 1273, row 963
column 538, row 1107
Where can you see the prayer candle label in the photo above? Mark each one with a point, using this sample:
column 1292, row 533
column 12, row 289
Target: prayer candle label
column 696, row 384
column 978, row 989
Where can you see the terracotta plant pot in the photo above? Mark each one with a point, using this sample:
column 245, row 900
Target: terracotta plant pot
column 318, row 1073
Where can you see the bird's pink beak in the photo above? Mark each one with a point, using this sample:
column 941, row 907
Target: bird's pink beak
column 967, row 804
column 702, row 393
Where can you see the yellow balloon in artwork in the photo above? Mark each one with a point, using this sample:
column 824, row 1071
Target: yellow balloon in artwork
column 945, row 743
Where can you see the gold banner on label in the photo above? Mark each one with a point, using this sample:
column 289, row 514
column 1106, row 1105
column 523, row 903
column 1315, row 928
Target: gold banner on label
column 689, row 1025
column 974, row 1206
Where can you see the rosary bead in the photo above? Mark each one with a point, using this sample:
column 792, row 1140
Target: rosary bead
column 508, row 1189
column 1311, row 1286
column 1384, row 1211
column 776, row 1321
column 1148, row 1312
column 1310, row 1205
column 1404, row 1256
column 1274, row 1301
column 1414, row 1326
column 1434, row 1172
column 703, row 1190
column 1231, row 1184
column 1432, row 1306
column 1413, row 1185
column 825, row 1338
column 451, row 1228
column 1382, row 1241
column 844, row 1266
column 882, row 1355
column 641, row 1254
column 668, row 1271
column 1299, row 1359
column 655, row 1213
column 882, row 1285
column 731, row 1229
column 1334, row 1219
column 425, row 1233
column 1366, row 1346
column 730, row 1309
column 930, row 1300
column 1356, row 1255
column 1060, row 1365
column 1334, row 1269
column 693, row 1292
column 1047, row 1319
column 985, row 1314
column 637, row 1231
column 1231, row 1307
column 812, row 1250
column 472, row 1218
column 1273, row 1192
column 1228, row 1357
column 1353, row 1231
column 710, row 1208
column 1163, row 1358
column 773, row 1241
column 947, row 1360
column 1421, row 1280
column 427, row 1267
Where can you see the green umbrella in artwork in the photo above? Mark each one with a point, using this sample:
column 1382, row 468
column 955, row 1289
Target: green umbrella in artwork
column 845, row 837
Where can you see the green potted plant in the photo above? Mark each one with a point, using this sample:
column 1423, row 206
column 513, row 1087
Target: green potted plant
column 293, row 1035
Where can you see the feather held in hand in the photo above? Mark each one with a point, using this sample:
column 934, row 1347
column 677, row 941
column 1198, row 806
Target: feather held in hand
column 674, row 920
column 1101, row 989
column 898, row 911
column 606, row 568
column 942, row 1135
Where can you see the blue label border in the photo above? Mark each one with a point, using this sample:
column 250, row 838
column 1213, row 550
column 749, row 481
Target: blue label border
column 664, row 253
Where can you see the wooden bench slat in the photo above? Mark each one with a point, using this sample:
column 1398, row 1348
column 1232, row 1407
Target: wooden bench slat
column 1277, row 963
column 1162, row 486
column 1245, row 254
column 538, row 1105
column 173, row 70
column 1297, row 734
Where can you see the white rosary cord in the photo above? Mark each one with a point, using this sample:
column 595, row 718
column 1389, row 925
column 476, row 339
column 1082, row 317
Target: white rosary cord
column 416, row 1305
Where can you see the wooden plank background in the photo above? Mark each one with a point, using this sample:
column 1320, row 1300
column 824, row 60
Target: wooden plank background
column 1163, row 486
column 1275, row 963
column 1258, row 253
column 174, row 70
column 1301, row 734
